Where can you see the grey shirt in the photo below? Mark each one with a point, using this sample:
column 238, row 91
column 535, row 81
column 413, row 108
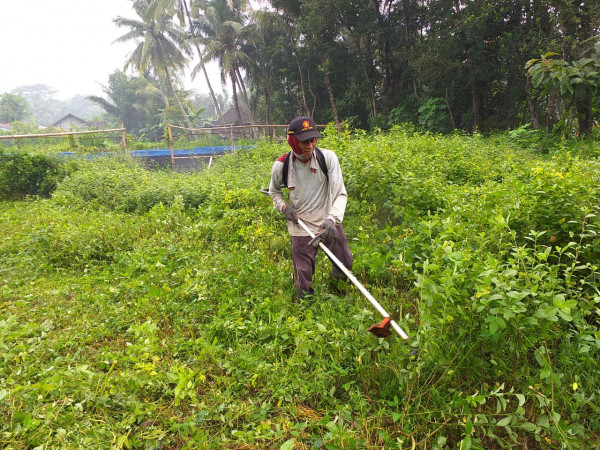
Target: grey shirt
column 314, row 198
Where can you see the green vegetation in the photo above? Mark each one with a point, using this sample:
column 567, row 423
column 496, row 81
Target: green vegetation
column 13, row 107
column 147, row 309
column 440, row 65
column 23, row 175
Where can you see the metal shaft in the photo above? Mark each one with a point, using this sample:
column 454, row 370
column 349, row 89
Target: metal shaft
column 352, row 278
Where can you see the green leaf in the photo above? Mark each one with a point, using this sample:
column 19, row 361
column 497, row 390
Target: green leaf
column 468, row 427
column 504, row 422
column 542, row 421
column 528, row 426
column 466, row 443
column 288, row 445
column 555, row 417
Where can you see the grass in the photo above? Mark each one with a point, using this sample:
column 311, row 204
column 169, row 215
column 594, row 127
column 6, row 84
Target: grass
column 154, row 310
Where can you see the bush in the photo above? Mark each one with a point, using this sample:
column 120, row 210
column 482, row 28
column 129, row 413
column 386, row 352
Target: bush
column 156, row 306
column 23, row 175
column 119, row 184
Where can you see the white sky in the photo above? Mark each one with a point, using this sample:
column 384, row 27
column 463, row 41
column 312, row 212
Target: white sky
column 68, row 45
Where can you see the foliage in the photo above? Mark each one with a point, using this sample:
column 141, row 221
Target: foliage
column 149, row 309
column 13, row 107
column 125, row 102
column 433, row 115
column 46, row 109
column 575, row 83
column 23, row 175
column 161, row 47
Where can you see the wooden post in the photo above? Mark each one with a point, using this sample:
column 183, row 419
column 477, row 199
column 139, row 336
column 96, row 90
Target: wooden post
column 123, row 137
column 171, row 146
column 231, row 133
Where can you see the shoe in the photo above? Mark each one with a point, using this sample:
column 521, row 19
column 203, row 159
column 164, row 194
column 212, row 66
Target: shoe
column 337, row 274
column 302, row 295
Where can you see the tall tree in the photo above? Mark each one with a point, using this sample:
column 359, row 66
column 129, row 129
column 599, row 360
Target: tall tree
column 223, row 33
column 184, row 12
column 575, row 83
column 161, row 46
column 13, row 107
column 125, row 100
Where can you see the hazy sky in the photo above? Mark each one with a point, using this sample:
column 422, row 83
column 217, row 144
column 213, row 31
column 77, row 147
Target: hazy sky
column 68, row 45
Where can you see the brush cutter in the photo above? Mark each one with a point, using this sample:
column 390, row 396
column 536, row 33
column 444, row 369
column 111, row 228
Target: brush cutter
column 382, row 329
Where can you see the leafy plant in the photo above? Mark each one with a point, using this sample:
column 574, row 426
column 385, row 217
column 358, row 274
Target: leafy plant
column 23, row 175
column 154, row 309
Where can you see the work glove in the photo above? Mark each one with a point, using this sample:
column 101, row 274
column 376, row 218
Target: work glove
column 290, row 214
column 326, row 231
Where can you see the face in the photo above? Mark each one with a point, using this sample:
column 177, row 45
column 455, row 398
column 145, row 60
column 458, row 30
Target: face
column 307, row 147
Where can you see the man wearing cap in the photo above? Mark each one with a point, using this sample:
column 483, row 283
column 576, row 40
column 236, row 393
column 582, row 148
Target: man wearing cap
column 317, row 196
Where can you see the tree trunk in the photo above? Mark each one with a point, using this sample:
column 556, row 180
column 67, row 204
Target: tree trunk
column 212, row 93
column 550, row 112
column 235, row 99
column 299, row 68
column 174, row 94
column 336, row 117
column 242, row 88
column 535, row 121
column 245, row 97
column 371, row 90
column 312, row 112
column 267, row 94
column 475, row 107
column 450, row 110
column 584, row 114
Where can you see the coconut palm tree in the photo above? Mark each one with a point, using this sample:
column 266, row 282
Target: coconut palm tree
column 222, row 31
column 269, row 30
column 161, row 46
column 180, row 7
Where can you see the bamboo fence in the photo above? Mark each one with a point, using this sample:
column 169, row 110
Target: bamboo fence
column 122, row 130
column 225, row 129
column 222, row 130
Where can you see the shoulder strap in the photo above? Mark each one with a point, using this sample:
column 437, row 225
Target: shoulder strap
column 286, row 163
column 320, row 159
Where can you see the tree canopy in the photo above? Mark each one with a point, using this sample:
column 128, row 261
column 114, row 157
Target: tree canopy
column 442, row 65
column 13, row 107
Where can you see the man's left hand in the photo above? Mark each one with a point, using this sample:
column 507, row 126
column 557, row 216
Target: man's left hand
column 326, row 231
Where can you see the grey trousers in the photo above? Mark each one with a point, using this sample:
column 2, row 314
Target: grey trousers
column 304, row 255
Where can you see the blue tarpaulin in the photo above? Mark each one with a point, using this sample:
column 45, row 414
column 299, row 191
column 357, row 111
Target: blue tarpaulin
column 196, row 151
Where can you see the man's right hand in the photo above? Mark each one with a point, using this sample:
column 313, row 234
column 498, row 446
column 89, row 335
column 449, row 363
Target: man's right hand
column 290, row 214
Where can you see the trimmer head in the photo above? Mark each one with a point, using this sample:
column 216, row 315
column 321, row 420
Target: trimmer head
column 382, row 329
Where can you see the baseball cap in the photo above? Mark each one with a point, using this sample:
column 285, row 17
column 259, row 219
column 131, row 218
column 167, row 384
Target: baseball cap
column 303, row 128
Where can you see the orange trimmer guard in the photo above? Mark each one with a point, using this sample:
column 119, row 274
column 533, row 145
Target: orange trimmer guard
column 382, row 329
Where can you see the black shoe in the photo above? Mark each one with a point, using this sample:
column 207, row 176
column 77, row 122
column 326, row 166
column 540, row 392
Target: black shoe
column 337, row 274
column 302, row 295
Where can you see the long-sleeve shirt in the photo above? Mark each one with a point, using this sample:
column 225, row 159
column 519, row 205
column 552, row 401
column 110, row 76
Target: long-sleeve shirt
column 314, row 198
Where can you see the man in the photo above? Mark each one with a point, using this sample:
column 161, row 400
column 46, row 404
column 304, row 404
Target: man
column 317, row 196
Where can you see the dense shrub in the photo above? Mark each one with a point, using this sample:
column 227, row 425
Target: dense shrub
column 23, row 175
column 154, row 308
column 118, row 183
